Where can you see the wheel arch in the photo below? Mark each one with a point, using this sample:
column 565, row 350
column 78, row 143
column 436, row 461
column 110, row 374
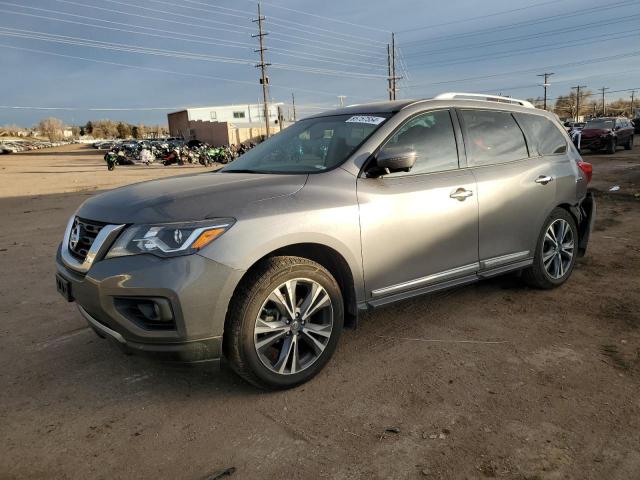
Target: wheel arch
column 326, row 256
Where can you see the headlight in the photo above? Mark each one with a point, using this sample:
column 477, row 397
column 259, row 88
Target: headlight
column 170, row 239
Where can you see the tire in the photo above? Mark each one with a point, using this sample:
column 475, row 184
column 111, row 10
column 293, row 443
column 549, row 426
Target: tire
column 629, row 144
column 252, row 311
column 611, row 147
column 545, row 272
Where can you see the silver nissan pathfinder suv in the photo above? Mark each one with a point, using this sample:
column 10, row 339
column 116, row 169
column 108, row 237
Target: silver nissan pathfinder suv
column 265, row 261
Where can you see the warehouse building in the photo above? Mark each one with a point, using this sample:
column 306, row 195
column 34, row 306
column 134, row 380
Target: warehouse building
column 225, row 125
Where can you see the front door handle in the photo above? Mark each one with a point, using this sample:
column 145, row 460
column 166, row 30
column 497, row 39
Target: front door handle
column 544, row 179
column 461, row 194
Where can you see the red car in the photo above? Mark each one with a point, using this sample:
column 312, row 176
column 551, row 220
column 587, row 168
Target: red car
column 607, row 133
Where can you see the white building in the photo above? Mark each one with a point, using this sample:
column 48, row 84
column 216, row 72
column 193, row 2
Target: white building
column 236, row 114
column 223, row 125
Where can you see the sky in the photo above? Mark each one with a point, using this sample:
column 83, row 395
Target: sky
column 137, row 60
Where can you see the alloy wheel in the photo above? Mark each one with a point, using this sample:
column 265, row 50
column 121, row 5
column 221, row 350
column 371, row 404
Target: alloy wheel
column 558, row 248
column 294, row 326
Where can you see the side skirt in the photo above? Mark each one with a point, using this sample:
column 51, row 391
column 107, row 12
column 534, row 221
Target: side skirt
column 467, row 279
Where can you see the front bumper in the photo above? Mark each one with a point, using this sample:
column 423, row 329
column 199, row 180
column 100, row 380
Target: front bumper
column 596, row 143
column 197, row 289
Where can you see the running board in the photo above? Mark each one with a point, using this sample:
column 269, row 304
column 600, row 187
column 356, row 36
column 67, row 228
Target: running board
column 468, row 279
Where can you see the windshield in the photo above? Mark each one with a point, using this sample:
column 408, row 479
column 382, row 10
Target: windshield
column 600, row 124
column 309, row 146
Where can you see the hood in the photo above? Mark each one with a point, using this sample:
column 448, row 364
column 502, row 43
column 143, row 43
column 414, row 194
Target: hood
column 595, row 132
column 188, row 198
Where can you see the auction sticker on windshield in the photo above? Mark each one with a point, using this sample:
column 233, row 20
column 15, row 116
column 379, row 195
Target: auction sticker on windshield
column 366, row 119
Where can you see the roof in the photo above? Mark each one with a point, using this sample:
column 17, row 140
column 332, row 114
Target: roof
column 397, row 105
column 236, row 105
column 368, row 108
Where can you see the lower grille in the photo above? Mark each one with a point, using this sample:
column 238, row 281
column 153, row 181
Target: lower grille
column 83, row 234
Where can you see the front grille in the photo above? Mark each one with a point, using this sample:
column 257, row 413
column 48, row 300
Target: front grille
column 83, row 234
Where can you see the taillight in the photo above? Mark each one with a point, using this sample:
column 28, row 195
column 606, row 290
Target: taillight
column 587, row 169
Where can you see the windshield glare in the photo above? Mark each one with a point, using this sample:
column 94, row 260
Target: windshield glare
column 600, row 124
column 309, row 146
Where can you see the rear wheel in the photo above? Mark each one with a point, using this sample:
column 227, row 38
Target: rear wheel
column 555, row 253
column 284, row 323
column 629, row 144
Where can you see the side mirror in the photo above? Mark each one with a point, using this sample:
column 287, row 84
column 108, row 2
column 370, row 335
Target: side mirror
column 393, row 159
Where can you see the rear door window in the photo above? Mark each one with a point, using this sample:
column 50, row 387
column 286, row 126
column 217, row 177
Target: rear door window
column 493, row 137
column 431, row 135
column 543, row 135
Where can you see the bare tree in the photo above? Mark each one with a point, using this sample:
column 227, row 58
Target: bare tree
column 52, row 128
column 104, row 129
column 124, row 130
column 140, row 131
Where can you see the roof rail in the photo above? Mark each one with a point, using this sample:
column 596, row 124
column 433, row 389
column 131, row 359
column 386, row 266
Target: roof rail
column 483, row 97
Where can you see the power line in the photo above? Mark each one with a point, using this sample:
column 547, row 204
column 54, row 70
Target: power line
column 611, row 91
column 463, row 20
column 526, row 23
column 272, row 17
column 546, row 47
column 336, row 20
column 93, row 109
column 146, row 17
column 346, row 50
column 608, row 58
column 360, row 42
column 133, row 5
column 287, row 35
column 193, row 38
column 130, row 109
column 160, row 70
column 524, row 37
column 172, row 53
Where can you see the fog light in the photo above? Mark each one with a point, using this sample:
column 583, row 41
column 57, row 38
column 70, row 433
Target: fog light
column 150, row 313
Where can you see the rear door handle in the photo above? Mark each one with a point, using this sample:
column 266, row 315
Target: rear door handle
column 544, row 179
column 461, row 194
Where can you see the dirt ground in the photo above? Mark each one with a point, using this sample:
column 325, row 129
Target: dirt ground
column 490, row 380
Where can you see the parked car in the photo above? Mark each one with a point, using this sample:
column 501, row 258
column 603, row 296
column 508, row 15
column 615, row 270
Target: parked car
column 6, row 148
column 607, row 133
column 265, row 261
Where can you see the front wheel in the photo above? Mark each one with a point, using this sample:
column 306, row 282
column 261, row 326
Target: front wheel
column 611, row 147
column 629, row 144
column 555, row 253
column 284, row 323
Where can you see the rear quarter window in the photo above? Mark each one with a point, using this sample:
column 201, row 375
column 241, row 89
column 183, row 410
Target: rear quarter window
column 493, row 137
column 542, row 134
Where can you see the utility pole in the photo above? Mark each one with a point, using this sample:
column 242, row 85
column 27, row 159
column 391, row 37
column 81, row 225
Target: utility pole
column 280, row 117
column 394, row 88
column 604, row 107
column 293, row 102
column 545, row 85
column 264, row 79
column 389, row 72
column 633, row 92
column 578, row 88
column 391, row 68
